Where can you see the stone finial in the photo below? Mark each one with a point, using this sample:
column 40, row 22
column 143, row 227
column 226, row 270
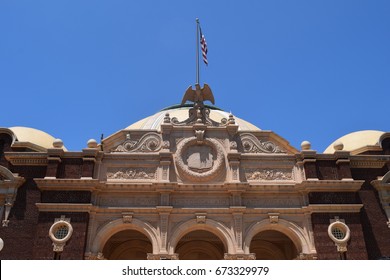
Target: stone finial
column 305, row 145
column 167, row 118
column 231, row 119
column 57, row 143
column 338, row 146
column 92, row 144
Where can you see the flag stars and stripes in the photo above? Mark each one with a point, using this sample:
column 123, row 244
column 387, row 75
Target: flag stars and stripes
column 204, row 47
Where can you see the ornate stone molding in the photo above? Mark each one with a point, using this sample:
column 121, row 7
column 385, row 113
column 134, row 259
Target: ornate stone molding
column 253, row 145
column 199, row 162
column 94, row 256
column 279, row 174
column 9, row 184
column 163, row 256
column 150, row 142
column 240, row 256
column 139, row 173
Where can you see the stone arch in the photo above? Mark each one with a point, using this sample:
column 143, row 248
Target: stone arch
column 8, row 175
column 109, row 229
column 290, row 229
column 217, row 228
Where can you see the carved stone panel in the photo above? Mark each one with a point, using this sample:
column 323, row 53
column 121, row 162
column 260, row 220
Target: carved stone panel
column 268, row 174
column 131, row 173
column 253, row 145
column 150, row 142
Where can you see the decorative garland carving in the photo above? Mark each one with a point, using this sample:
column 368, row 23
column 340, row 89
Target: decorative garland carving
column 150, row 142
column 132, row 173
column 253, row 145
column 268, row 174
column 211, row 166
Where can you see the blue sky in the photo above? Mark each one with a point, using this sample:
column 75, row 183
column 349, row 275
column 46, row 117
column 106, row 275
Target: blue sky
column 307, row 70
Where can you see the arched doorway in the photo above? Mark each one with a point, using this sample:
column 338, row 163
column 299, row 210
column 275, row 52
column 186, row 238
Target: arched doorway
column 200, row 245
column 127, row 245
column 273, row 245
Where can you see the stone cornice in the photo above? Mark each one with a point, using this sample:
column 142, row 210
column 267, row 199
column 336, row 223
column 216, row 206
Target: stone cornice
column 329, row 186
column 64, row 207
column 369, row 161
column 332, row 208
column 26, row 158
column 56, row 184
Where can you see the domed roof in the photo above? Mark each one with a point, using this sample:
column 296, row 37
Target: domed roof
column 34, row 136
column 356, row 141
column 181, row 113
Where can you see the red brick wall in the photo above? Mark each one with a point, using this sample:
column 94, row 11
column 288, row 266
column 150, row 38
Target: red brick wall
column 74, row 248
column 326, row 249
column 19, row 235
column 373, row 217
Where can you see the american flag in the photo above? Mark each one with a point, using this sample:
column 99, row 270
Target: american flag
column 204, row 47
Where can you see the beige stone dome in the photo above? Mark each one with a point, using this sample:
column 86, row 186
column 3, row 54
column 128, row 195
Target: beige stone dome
column 34, row 136
column 357, row 142
column 181, row 113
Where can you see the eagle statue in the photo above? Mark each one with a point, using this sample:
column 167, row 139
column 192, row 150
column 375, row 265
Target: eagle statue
column 198, row 95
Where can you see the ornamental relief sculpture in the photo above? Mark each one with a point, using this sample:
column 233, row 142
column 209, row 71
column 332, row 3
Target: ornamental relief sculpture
column 131, row 173
column 253, row 145
column 199, row 160
column 150, row 142
column 268, row 174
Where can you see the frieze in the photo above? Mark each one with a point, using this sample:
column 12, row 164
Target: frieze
column 150, row 142
column 200, row 202
column 268, row 202
column 131, row 173
column 268, row 174
column 133, row 201
column 253, row 145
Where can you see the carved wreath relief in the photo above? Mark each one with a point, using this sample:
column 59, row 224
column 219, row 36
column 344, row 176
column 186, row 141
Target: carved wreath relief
column 199, row 162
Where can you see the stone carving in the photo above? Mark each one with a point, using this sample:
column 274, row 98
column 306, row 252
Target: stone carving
column 131, row 173
column 201, row 219
column 166, row 144
column 273, row 218
column 150, row 142
column 199, row 136
column 199, row 162
column 233, row 145
column 268, row 174
column 94, row 256
column 253, row 145
column 127, row 218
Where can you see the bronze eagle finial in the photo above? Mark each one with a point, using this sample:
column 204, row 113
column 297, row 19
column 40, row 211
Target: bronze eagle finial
column 198, row 95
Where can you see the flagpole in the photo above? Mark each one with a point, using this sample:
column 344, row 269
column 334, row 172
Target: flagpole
column 197, row 51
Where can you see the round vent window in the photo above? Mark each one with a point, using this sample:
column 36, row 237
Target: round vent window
column 60, row 231
column 339, row 232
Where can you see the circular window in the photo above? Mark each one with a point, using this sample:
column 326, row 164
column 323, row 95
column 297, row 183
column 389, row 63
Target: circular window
column 339, row 232
column 60, row 231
